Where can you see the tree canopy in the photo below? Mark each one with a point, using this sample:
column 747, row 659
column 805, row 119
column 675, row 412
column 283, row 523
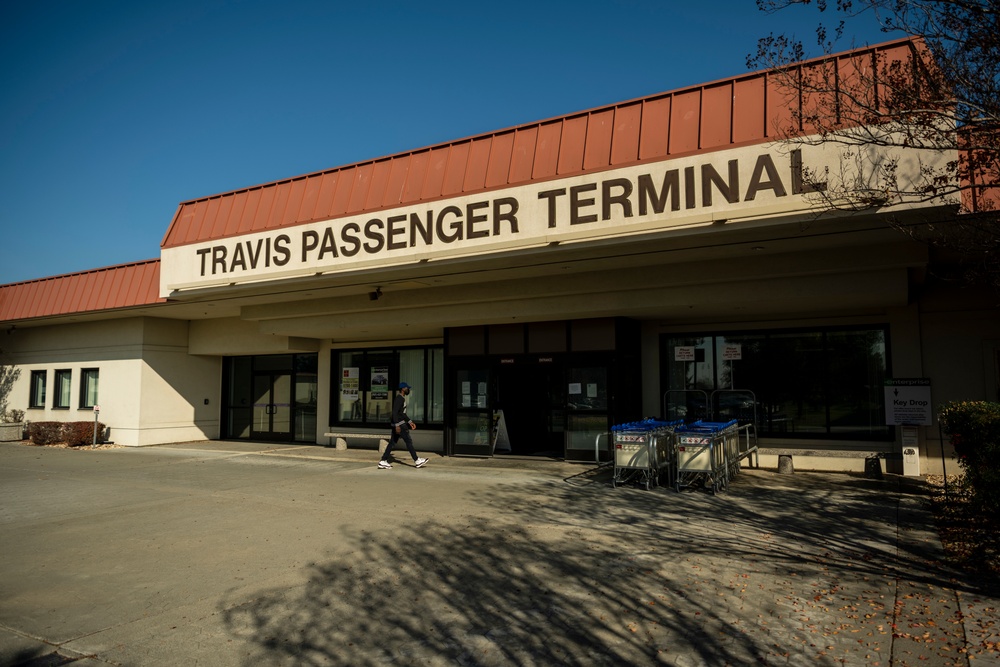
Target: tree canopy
column 944, row 99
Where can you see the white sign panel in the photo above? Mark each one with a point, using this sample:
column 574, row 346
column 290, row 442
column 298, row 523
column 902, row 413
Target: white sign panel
column 908, row 402
column 350, row 384
column 684, row 353
column 732, row 351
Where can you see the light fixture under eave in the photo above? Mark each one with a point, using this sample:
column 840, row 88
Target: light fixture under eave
column 376, row 295
column 757, row 248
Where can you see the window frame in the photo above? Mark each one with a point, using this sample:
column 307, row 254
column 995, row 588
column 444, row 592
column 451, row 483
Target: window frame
column 39, row 379
column 369, row 358
column 57, row 395
column 710, row 342
column 85, row 373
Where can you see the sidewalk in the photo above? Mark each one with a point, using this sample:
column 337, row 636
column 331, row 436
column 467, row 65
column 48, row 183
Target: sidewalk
column 247, row 553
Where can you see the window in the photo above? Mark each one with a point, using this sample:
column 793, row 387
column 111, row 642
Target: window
column 304, row 396
column 88, row 387
column 411, row 369
column 61, row 399
column 37, row 398
column 435, row 385
column 366, row 380
column 819, row 383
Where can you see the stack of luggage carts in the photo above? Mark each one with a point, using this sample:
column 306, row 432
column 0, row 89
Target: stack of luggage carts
column 702, row 454
column 707, row 454
column 643, row 451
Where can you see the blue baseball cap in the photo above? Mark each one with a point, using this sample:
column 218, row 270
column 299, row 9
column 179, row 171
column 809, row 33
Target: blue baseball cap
column 403, row 385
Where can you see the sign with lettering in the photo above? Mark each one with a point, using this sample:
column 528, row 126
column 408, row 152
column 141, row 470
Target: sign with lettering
column 684, row 353
column 908, row 402
column 732, row 352
column 700, row 190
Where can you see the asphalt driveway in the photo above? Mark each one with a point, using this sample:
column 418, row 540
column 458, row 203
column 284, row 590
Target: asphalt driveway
column 247, row 554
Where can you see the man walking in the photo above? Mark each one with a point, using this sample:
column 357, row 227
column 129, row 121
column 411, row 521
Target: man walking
column 401, row 427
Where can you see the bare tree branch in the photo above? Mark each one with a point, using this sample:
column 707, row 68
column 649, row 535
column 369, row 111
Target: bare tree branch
column 939, row 99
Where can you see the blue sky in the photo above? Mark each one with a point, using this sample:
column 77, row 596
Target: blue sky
column 112, row 113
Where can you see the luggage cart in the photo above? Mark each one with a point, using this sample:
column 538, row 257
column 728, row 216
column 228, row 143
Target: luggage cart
column 741, row 405
column 642, row 450
column 731, row 446
column 703, row 454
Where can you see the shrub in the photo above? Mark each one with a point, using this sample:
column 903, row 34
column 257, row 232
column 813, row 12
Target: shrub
column 974, row 429
column 45, row 433
column 71, row 433
column 81, row 433
column 12, row 416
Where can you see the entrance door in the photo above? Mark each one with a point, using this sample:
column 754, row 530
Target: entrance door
column 272, row 406
column 588, row 421
column 533, row 401
column 473, row 413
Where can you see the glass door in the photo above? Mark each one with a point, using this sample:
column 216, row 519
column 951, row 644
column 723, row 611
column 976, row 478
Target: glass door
column 272, row 406
column 587, row 414
column 473, row 413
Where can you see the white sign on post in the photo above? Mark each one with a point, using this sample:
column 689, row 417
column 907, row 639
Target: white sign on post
column 684, row 353
column 908, row 402
column 732, row 351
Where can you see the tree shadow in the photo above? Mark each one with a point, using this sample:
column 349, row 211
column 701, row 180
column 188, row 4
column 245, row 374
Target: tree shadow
column 575, row 572
column 478, row 594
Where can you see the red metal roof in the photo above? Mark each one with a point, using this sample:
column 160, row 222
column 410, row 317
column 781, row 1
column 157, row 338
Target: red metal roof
column 122, row 286
column 701, row 119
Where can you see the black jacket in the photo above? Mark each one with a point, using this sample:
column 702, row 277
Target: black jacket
column 399, row 416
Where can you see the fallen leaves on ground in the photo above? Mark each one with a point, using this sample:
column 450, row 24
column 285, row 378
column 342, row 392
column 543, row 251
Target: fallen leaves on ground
column 971, row 540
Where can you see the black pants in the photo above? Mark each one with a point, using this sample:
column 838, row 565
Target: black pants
column 404, row 433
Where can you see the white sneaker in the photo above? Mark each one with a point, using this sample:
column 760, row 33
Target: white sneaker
column 420, row 463
column 385, row 465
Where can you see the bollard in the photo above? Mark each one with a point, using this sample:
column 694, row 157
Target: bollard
column 97, row 412
column 785, row 464
column 873, row 467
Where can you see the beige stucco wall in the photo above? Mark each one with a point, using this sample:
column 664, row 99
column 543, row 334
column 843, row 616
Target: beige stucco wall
column 235, row 337
column 150, row 391
column 180, row 392
column 960, row 334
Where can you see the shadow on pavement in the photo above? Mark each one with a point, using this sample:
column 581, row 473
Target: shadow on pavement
column 575, row 572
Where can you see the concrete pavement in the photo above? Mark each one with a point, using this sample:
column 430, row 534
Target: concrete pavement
column 229, row 553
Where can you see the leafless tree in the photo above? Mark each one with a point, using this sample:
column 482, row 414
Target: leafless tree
column 8, row 376
column 936, row 97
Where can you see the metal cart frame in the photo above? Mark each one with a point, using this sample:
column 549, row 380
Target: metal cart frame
column 741, row 405
column 642, row 450
column 706, row 452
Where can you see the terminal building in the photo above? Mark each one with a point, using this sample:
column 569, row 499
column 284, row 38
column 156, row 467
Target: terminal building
column 665, row 256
